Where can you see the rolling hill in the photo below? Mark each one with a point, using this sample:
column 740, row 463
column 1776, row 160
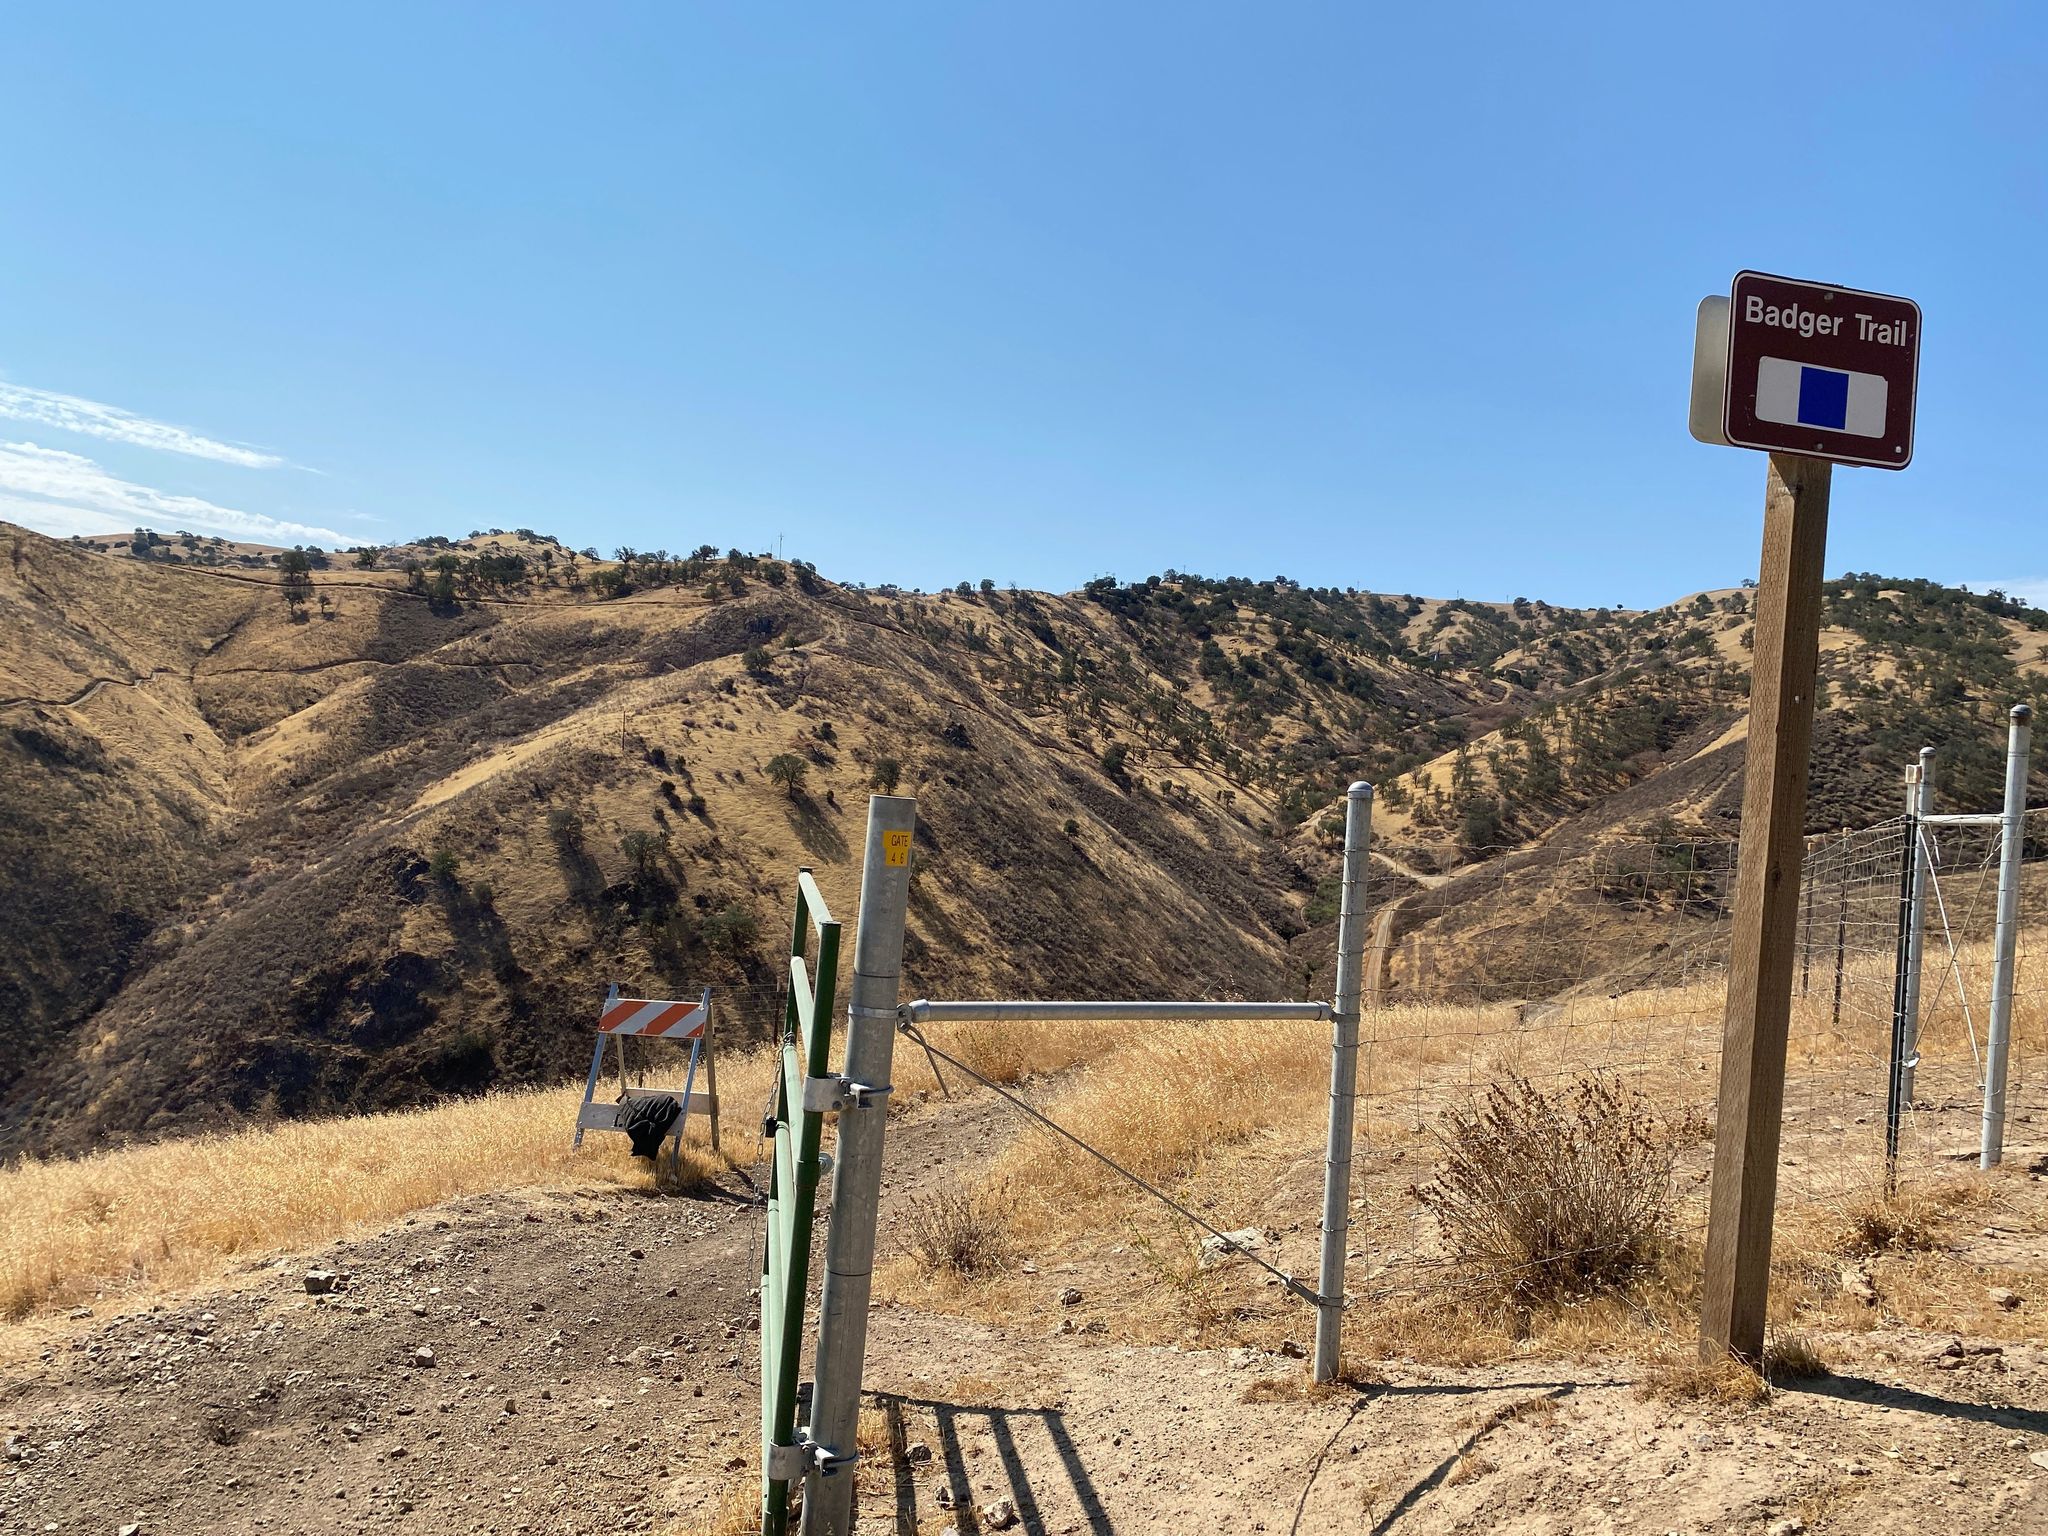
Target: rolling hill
column 276, row 842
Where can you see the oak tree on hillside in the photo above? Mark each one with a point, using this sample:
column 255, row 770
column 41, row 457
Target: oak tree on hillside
column 298, row 580
column 788, row 770
column 887, row 772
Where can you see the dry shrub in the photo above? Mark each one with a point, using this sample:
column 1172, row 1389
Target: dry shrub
column 1731, row 1382
column 1290, row 1388
column 1548, row 1197
column 1726, row 1381
column 1298, row 1386
column 961, row 1232
column 1470, row 1468
column 1903, row 1223
column 1540, row 1406
column 1795, row 1357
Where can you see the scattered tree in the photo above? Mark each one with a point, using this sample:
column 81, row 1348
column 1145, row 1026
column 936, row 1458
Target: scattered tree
column 788, row 770
column 642, row 850
column 298, row 580
column 884, row 779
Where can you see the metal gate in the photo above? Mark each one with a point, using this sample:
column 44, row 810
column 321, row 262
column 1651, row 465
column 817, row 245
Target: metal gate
column 793, row 1127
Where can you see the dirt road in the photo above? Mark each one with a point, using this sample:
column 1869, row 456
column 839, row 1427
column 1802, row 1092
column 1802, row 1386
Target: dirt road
column 589, row 1367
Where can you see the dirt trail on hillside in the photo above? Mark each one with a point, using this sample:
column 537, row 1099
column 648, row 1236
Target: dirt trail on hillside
column 593, row 1369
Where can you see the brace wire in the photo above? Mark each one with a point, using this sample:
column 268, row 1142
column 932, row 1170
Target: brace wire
column 1312, row 1297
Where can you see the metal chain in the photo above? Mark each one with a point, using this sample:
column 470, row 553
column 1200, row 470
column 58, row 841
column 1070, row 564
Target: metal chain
column 1312, row 1297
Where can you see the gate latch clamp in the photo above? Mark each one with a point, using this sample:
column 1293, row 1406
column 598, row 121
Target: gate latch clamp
column 836, row 1093
column 787, row 1463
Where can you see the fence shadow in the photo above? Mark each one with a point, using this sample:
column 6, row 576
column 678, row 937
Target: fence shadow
column 1443, row 1469
column 1861, row 1389
column 1008, row 1428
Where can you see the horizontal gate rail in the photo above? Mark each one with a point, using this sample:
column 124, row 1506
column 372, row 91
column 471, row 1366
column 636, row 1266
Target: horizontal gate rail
column 924, row 1011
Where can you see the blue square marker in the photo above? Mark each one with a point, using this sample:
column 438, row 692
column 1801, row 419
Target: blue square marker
column 1823, row 398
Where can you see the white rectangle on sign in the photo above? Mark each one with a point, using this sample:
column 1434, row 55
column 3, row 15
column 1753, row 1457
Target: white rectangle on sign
column 1834, row 399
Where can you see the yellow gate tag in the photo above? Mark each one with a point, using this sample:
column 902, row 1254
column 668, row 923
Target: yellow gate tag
column 895, row 849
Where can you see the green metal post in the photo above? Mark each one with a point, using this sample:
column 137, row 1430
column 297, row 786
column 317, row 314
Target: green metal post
column 793, row 1188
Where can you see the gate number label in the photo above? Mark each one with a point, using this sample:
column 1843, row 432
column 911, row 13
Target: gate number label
column 895, row 849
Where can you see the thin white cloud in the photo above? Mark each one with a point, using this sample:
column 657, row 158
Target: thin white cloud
column 68, row 413
column 64, row 493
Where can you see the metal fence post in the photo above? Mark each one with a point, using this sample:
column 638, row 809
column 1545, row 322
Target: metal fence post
column 1343, row 1080
column 1806, row 885
column 1841, row 930
column 1895, row 1093
column 2019, row 746
column 1919, row 803
column 857, row 1172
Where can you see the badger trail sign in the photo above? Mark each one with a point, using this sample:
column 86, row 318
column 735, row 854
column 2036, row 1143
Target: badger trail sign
column 1815, row 375
column 1808, row 368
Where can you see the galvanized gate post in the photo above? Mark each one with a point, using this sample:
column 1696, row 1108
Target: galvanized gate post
column 2019, row 747
column 1343, row 1080
column 857, row 1173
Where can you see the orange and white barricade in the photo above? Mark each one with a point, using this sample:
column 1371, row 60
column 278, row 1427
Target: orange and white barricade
column 652, row 1019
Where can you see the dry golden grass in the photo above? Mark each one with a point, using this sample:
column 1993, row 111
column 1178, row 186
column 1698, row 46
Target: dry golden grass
column 1159, row 1100
column 1727, row 1382
column 1353, row 1376
column 1471, row 1466
column 1795, row 1357
column 1912, row 1220
column 735, row 1511
column 146, row 1219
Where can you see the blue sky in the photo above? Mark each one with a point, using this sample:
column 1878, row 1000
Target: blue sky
column 1393, row 297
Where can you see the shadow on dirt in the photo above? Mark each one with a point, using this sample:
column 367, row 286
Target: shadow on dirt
column 1442, row 1469
column 1004, row 1426
column 1860, row 1389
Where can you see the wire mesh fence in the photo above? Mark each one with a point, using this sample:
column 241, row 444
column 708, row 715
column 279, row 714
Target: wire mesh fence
column 1959, row 958
column 1606, row 962
column 1612, row 963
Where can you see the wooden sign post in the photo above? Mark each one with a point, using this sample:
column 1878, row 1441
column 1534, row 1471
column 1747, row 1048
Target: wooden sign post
column 1766, row 937
column 1816, row 375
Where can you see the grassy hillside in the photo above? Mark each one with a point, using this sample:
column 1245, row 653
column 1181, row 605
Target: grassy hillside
column 276, row 842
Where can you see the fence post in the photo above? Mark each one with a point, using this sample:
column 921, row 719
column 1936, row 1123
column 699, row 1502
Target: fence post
column 857, row 1172
column 1841, row 928
column 1919, row 803
column 1806, row 883
column 2019, row 746
column 1343, row 1080
column 1895, row 1090
column 711, row 1076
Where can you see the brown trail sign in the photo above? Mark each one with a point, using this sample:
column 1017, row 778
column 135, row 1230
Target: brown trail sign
column 1815, row 375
